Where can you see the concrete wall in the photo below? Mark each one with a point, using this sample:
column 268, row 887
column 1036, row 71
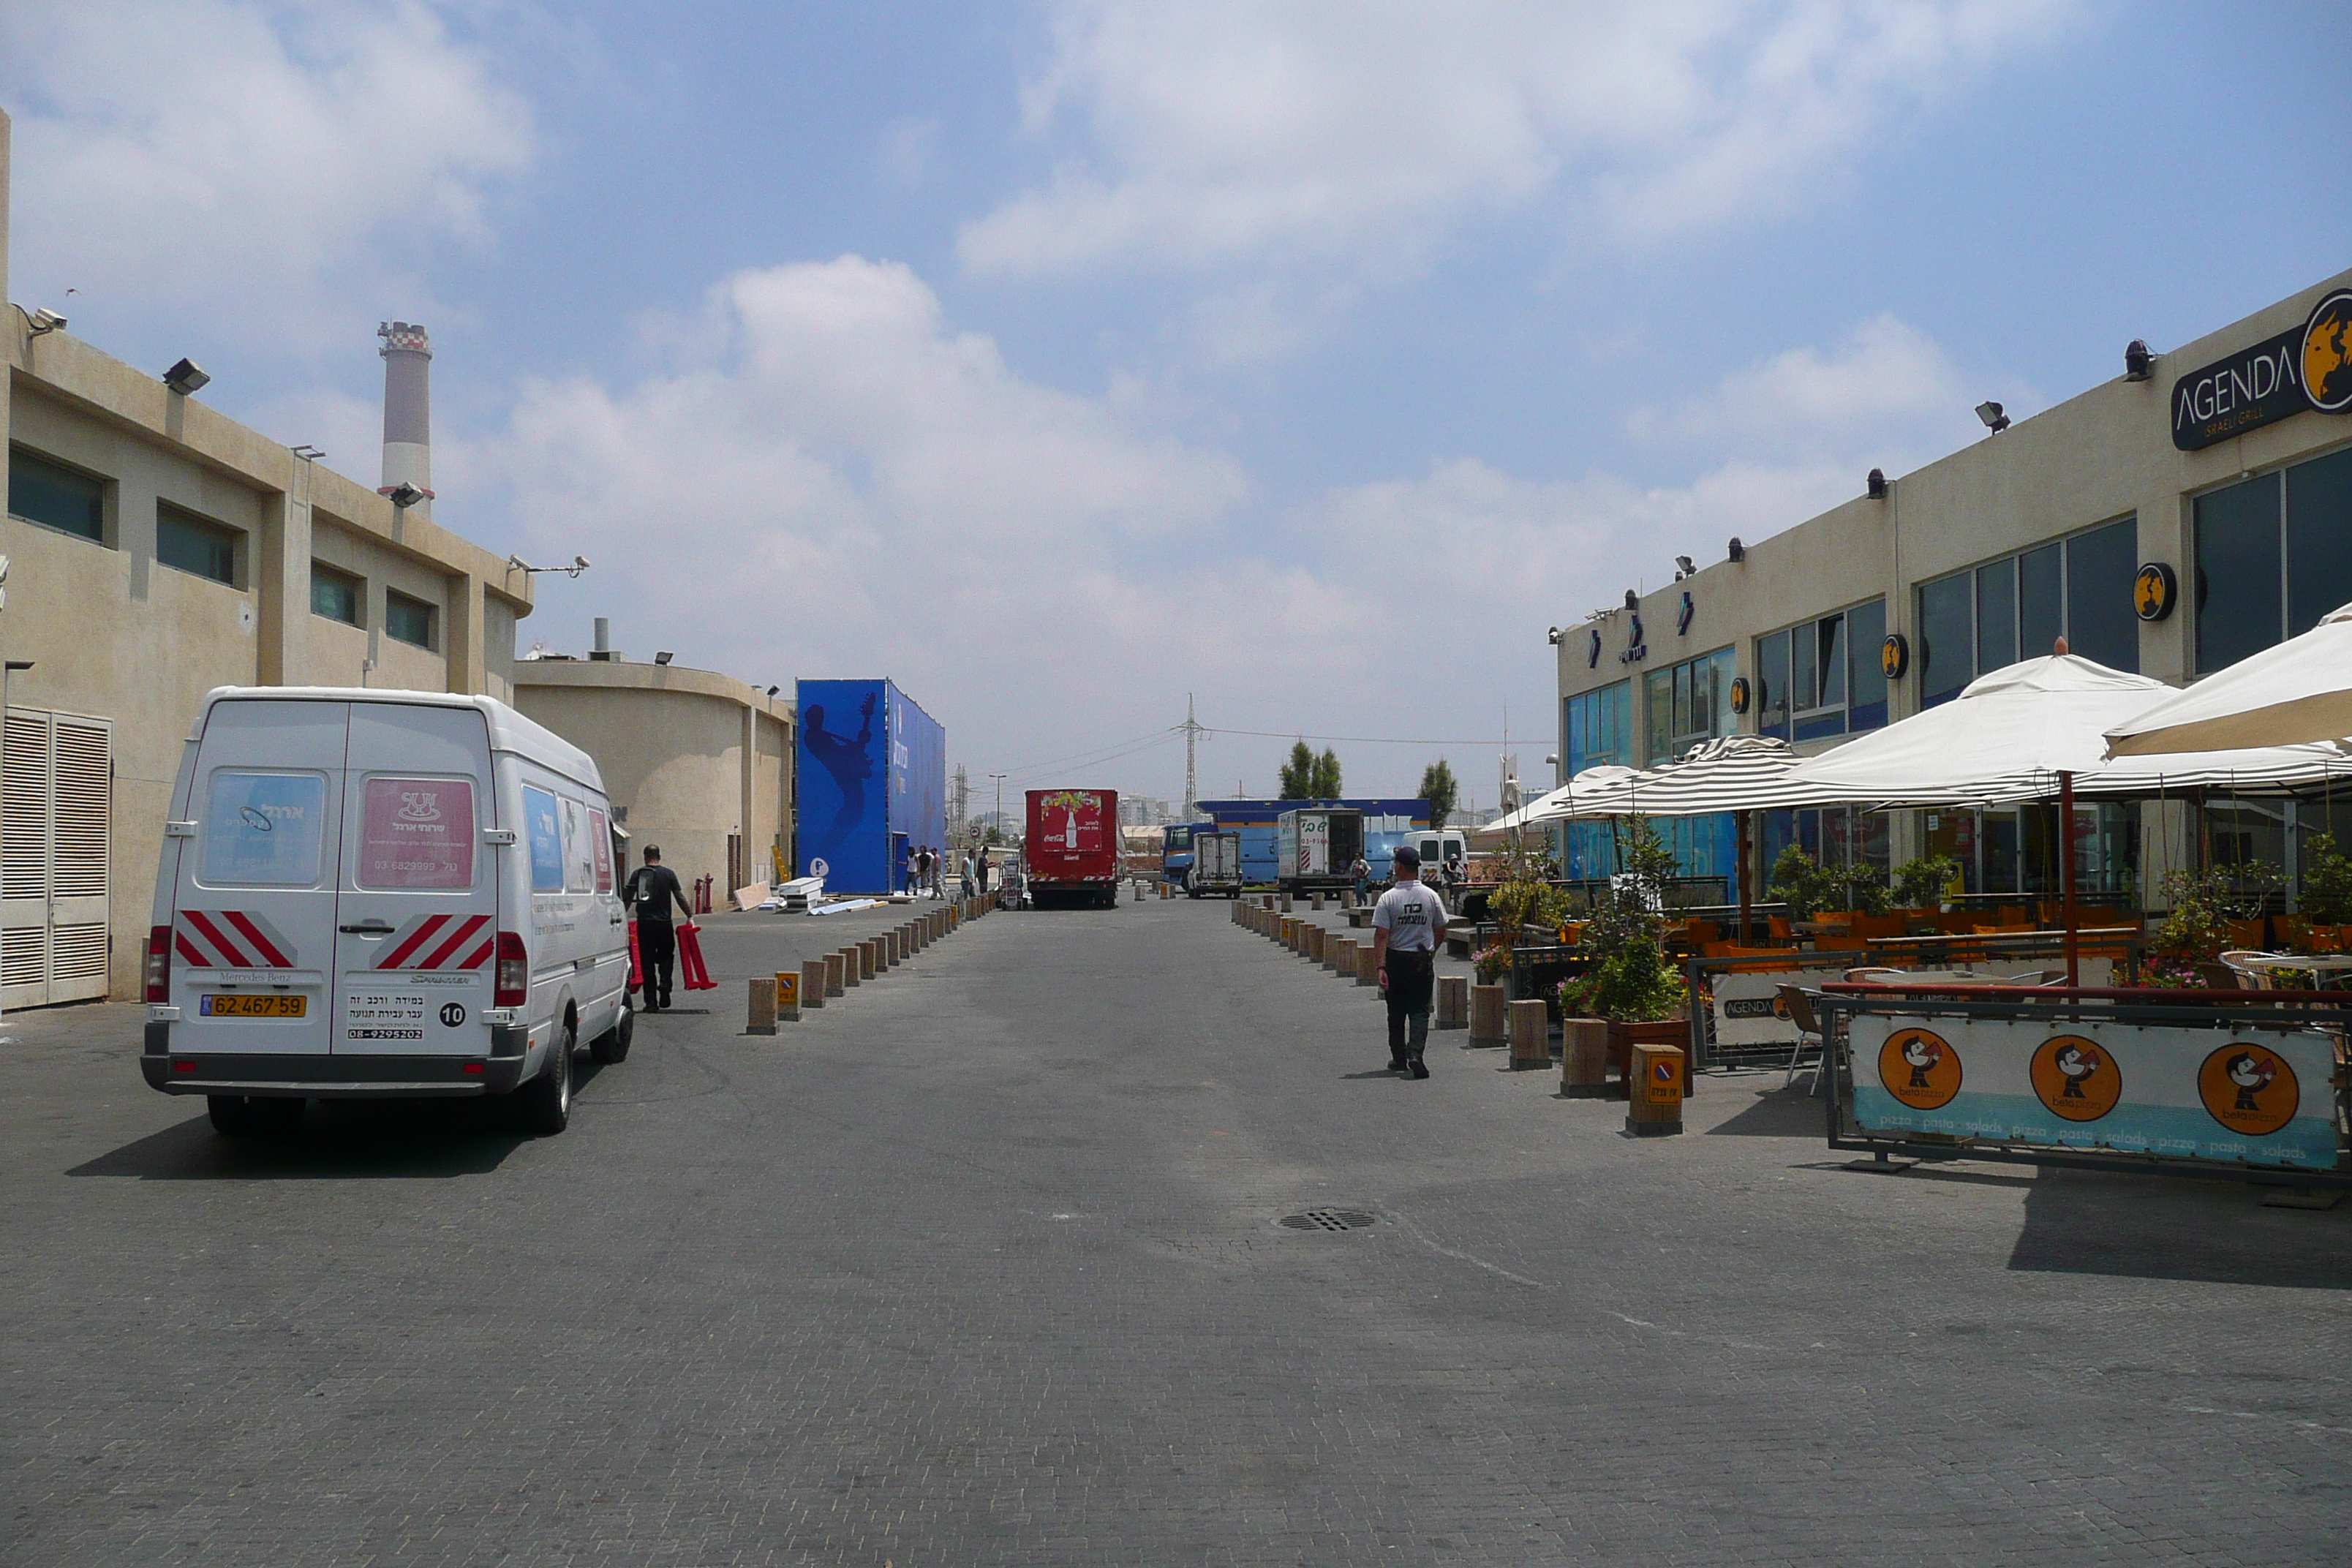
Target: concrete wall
column 671, row 744
column 113, row 633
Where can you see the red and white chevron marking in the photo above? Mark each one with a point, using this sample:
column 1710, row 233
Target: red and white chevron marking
column 230, row 938
column 438, row 942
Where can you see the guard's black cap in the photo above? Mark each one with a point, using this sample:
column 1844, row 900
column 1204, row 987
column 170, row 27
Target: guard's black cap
column 1406, row 855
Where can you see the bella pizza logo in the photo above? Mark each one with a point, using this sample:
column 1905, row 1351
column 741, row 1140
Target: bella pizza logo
column 2075, row 1078
column 1919, row 1068
column 2249, row 1089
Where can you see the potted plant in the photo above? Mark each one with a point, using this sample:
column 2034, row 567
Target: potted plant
column 1632, row 983
column 2186, row 948
column 2327, row 892
column 1920, row 884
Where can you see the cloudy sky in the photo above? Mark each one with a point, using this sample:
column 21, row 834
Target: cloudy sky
column 1062, row 358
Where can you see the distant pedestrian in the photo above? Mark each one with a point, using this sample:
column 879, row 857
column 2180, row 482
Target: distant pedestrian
column 1406, row 924
column 1361, row 874
column 964, row 872
column 651, row 890
column 927, row 871
column 980, row 869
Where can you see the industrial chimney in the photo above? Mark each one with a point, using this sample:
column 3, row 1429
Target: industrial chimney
column 407, row 412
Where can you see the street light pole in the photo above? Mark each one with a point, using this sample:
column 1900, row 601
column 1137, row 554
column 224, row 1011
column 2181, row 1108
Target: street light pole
column 1000, row 803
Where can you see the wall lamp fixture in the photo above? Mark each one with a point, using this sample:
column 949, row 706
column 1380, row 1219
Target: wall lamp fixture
column 664, row 656
column 1994, row 419
column 2138, row 363
column 1877, row 484
column 187, row 378
column 1738, row 552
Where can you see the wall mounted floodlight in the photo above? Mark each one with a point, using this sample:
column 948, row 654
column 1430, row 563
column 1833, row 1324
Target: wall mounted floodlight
column 664, row 656
column 1994, row 419
column 1633, row 600
column 517, row 564
column 403, row 495
column 1876, row 484
column 773, row 689
column 1738, row 552
column 186, row 378
column 307, row 452
column 46, row 321
column 1683, row 568
column 2138, row 363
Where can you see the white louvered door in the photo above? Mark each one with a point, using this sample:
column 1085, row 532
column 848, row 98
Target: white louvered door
column 57, row 813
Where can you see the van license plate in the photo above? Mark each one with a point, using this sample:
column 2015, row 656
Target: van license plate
column 254, row 1006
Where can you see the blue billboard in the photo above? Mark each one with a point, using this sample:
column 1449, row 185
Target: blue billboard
column 871, row 783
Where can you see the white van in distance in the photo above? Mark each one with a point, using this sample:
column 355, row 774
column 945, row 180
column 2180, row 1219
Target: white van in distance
column 379, row 894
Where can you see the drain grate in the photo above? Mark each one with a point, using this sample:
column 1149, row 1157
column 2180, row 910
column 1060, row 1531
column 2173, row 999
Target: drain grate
column 1328, row 1220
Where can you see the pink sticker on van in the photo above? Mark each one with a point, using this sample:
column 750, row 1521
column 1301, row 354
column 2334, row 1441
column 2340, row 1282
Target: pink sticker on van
column 418, row 834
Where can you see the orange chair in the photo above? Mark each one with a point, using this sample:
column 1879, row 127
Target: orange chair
column 1780, row 929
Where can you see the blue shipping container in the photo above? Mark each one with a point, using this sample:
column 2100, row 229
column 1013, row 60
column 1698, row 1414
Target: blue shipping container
column 871, row 784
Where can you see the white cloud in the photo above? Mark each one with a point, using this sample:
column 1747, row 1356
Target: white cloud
column 1886, row 387
column 280, row 162
column 1242, row 134
column 831, row 480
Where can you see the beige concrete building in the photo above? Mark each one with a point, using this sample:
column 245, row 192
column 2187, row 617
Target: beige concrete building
column 695, row 761
column 159, row 548
column 2209, row 467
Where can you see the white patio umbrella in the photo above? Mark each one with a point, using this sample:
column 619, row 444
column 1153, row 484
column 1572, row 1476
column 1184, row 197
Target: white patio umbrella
column 2299, row 690
column 2034, row 719
column 1594, row 784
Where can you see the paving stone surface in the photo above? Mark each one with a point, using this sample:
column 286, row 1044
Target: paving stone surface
column 980, row 1265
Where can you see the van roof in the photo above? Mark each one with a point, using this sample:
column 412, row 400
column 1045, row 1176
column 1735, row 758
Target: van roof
column 510, row 730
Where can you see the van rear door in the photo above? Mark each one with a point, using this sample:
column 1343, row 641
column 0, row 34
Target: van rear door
column 253, row 914
column 416, row 919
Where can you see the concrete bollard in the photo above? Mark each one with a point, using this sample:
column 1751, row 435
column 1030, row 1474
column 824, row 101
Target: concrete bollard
column 1315, row 937
column 1368, row 968
column 812, row 991
column 1486, row 1015
column 1530, row 1035
column 1453, row 1002
column 764, row 1007
column 1337, row 950
column 1654, row 1104
column 1285, row 903
column 866, row 954
column 787, row 984
column 851, row 970
column 836, row 979
column 1584, row 1057
column 1318, row 904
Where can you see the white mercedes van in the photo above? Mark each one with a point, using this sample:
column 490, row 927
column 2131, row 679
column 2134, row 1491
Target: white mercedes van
column 370, row 893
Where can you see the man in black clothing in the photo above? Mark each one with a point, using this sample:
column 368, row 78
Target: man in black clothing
column 652, row 887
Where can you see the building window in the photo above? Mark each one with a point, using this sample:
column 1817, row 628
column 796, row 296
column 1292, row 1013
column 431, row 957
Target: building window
column 56, row 496
column 334, row 595
column 1973, row 623
column 1599, row 727
column 409, row 620
column 1822, row 677
column 1687, row 703
column 2274, row 554
column 195, row 544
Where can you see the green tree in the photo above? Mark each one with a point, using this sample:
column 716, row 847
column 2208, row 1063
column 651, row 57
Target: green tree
column 1323, row 784
column 1297, row 777
column 1438, row 788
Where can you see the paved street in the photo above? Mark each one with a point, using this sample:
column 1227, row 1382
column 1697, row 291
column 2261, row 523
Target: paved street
column 980, row 1265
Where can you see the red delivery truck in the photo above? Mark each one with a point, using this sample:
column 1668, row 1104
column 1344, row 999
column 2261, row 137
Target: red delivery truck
column 1073, row 848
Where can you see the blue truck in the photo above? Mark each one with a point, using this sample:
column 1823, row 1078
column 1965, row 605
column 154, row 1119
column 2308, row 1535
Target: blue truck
column 1387, row 824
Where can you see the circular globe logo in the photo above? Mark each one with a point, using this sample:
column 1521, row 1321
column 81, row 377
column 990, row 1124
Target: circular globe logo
column 2327, row 353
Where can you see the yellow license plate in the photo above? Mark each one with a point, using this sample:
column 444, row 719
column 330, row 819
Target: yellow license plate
column 255, row 1006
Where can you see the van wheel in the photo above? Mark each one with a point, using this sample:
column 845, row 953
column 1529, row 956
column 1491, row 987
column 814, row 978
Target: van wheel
column 544, row 1104
column 613, row 1044
column 247, row 1116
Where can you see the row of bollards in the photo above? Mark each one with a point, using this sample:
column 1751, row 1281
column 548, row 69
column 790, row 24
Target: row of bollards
column 778, row 999
column 1345, row 956
column 1655, row 1079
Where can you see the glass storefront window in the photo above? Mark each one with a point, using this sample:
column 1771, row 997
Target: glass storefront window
column 1824, row 677
column 1865, row 707
column 1597, row 726
column 2100, row 623
column 1686, row 704
column 1948, row 657
column 2318, row 540
column 2041, row 598
column 1996, row 616
column 2238, row 609
column 1772, row 685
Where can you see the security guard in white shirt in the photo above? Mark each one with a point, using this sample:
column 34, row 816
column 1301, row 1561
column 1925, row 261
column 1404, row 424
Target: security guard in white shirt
column 1406, row 925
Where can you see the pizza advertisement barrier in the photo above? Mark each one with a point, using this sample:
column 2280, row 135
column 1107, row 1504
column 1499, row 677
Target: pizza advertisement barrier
column 2241, row 1096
